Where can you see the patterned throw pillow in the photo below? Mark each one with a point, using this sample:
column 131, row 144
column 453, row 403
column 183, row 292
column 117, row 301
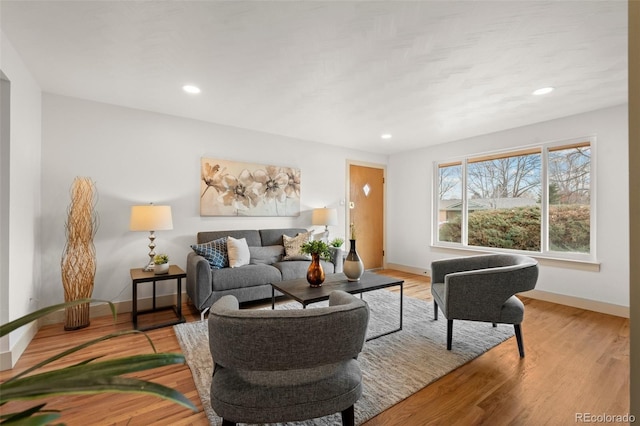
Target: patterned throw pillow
column 292, row 246
column 214, row 251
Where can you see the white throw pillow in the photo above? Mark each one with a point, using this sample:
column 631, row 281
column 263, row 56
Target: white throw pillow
column 238, row 252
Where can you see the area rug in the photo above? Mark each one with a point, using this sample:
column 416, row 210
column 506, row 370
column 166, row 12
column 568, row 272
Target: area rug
column 394, row 366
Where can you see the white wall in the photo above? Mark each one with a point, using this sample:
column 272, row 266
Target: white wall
column 409, row 202
column 137, row 157
column 20, row 245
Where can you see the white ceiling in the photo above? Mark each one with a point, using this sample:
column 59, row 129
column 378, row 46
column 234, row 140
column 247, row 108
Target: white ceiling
column 340, row 72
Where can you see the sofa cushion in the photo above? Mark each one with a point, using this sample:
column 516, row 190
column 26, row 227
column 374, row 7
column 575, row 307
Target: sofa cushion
column 266, row 255
column 252, row 236
column 273, row 237
column 293, row 246
column 244, row 276
column 214, row 251
column 238, row 252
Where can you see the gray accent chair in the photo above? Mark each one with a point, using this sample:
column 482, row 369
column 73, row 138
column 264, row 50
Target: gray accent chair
column 483, row 288
column 286, row 365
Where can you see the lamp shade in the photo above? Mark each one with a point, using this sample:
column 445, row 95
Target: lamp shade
column 324, row 216
column 150, row 218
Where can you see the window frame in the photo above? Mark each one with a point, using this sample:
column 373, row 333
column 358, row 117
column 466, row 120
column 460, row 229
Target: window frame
column 544, row 149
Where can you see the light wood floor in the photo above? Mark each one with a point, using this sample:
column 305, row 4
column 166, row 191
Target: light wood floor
column 576, row 361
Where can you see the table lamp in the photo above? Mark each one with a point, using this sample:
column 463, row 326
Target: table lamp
column 324, row 216
column 151, row 218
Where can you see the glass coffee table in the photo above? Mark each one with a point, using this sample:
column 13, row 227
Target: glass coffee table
column 301, row 291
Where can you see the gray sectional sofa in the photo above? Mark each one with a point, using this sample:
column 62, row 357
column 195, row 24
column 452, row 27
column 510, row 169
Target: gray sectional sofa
column 206, row 285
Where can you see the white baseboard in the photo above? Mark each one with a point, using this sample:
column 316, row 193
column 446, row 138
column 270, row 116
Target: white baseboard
column 124, row 307
column 9, row 358
column 561, row 299
column 578, row 302
column 410, row 269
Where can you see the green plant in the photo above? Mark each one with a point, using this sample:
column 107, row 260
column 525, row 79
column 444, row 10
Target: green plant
column 336, row 242
column 86, row 377
column 316, row 247
column 160, row 259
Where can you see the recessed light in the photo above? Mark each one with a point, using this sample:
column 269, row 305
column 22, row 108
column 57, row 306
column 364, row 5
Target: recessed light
column 190, row 88
column 386, row 136
column 543, row 91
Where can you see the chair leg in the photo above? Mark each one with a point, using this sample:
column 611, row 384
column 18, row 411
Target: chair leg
column 435, row 309
column 494, row 324
column 449, row 333
column 348, row 417
column 226, row 422
column 518, row 331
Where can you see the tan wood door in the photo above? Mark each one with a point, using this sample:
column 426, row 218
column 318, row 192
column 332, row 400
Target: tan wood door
column 366, row 208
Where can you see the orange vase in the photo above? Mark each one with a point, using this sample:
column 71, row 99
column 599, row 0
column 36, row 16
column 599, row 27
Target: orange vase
column 315, row 274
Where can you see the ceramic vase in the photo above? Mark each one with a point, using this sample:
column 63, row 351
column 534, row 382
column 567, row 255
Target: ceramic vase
column 161, row 269
column 353, row 266
column 315, row 273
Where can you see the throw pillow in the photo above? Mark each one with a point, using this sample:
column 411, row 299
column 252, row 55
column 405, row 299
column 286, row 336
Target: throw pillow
column 214, row 251
column 238, row 252
column 293, row 246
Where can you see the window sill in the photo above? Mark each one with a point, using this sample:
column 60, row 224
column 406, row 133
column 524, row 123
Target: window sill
column 546, row 260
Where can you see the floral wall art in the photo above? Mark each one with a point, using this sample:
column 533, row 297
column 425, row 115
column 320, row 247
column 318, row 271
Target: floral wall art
column 231, row 188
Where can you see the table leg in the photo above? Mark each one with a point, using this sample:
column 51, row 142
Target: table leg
column 401, row 302
column 401, row 309
column 273, row 298
column 154, row 295
column 134, row 311
column 179, row 307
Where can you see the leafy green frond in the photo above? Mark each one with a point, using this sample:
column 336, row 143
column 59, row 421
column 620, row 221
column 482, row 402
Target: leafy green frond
column 15, row 324
column 32, row 416
column 84, row 377
column 88, row 384
column 79, row 347
column 96, row 378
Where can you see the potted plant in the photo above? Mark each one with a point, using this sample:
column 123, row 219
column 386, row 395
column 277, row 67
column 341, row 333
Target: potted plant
column 336, row 242
column 161, row 262
column 317, row 249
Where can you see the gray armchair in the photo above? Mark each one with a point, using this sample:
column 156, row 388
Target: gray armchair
column 483, row 288
column 286, row 365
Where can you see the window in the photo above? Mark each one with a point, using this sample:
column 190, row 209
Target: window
column 535, row 200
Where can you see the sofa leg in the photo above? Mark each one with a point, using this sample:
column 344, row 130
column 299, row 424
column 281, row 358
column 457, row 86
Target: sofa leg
column 518, row 331
column 226, row 422
column 435, row 309
column 449, row 333
column 348, row 417
column 202, row 314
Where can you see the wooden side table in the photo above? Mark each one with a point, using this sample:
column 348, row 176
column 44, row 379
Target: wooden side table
column 138, row 276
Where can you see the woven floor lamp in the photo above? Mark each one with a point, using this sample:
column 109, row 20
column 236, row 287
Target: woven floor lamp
column 78, row 262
